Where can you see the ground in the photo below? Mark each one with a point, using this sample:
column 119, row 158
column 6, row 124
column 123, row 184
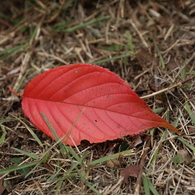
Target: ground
column 150, row 44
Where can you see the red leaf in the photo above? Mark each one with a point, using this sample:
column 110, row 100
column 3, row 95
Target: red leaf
column 87, row 102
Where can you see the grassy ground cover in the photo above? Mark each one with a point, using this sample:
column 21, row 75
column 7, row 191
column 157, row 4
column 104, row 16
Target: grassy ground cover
column 150, row 44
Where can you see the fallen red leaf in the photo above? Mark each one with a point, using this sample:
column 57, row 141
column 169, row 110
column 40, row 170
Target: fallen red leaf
column 130, row 171
column 2, row 188
column 87, row 102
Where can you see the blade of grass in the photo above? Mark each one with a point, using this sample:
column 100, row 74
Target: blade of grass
column 113, row 47
column 59, row 27
column 36, row 165
column 64, row 148
column 187, row 144
column 79, row 161
column 17, row 167
column 92, row 188
column 184, row 71
column 154, row 158
column 34, row 156
column 190, row 72
column 146, row 185
column 31, row 132
column 8, row 52
column 190, row 112
column 152, row 188
column 80, row 173
column 54, row 179
column 2, row 120
column 2, row 138
column 130, row 43
column 61, row 145
column 175, row 123
column 160, row 56
column 86, row 24
column 67, row 4
column 113, row 58
column 74, row 154
column 66, row 175
column 33, row 35
column 18, row 161
column 50, row 127
column 101, row 160
column 58, row 188
column 44, row 159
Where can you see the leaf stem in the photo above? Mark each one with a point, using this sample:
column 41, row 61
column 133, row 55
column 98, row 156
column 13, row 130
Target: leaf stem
column 12, row 91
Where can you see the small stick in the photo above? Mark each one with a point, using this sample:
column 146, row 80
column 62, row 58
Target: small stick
column 168, row 88
column 139, row 34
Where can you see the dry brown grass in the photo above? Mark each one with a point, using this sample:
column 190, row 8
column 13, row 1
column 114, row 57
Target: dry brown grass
column 145, row 42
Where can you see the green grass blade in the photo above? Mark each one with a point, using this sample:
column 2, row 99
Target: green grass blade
column 130, row 43
column 183, row 70
column 59, row 186
column 152, row 188
column 101, row 160
column 32, row 37
column 190, row 72
column 34, row 156
column 86, row 24
column 59, row 27
column 18, row 161
column 160, row 56
column 74, row 154
column 54, row 179
column 80, row 173
column 43, row 159
column 66, row 175
column 31, row 132
column 15, row 168
column 50, row 127
column 154, row 158
column 2, row 138
column 5, row 53
column 2, row 120
column 32, row 170
column 176, row 121
column 113, row 58
column 146, row 185
column 113, row 47
column 190, row 112
column 186, row 143
column 62, row 146
column 92, row 188
column 157, row 110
